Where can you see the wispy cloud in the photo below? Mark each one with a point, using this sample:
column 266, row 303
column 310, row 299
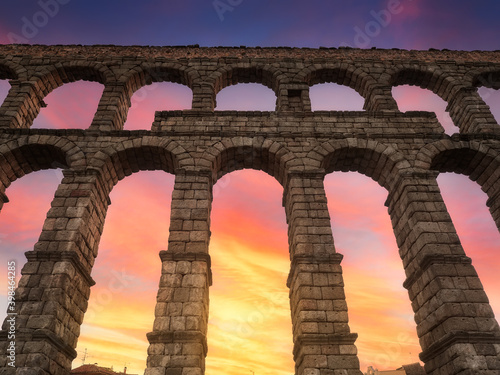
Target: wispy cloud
column 160, row 96
column 413, row 98
column 71, row 106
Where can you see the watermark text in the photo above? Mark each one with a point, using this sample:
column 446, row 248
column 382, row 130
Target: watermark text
column 11, row 313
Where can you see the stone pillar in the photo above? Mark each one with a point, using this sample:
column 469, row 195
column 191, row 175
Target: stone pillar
column 3, row 197
column 493, row 204
column 380, row 99
column 323, row 343
column 204, row 97
column 293, row 98
column 470, row 113
column 455, row 323
column 178, row 343
column 113, row 107
column 54, row 289
column 21, row 106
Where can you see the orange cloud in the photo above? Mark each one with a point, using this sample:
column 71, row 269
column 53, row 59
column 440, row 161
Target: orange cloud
column 250, row 324
column 379, row 307
column 127, row 271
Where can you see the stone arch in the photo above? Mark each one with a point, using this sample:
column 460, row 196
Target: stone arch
column 146, row 74
column 465, row 157
column 228, row 75
column 145, row 153
column 83, row 196
column 256, row 153
column 116, row 100
column 49, row 79
column 342, row 74
column 33, row 153
column 426, row 77
column 10, row 70
column 471, row 158
column 371, row 158
column 464, row 105
column 488, row 77
column 15, row 73
column 26, row 98
column 485, row 78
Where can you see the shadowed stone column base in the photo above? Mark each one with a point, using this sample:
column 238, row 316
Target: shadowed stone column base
column 326, row 354
column 176, row 353
column 178, row 343
column 446, row 354
column 39, row 352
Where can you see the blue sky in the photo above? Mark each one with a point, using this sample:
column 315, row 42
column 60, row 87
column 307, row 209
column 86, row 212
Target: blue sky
column 409, row 24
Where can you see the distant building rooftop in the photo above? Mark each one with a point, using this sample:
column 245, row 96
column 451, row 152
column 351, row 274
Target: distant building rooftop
column 412, row 369
column 97, row 370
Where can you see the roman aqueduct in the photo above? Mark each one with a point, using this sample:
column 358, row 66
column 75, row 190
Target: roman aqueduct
column 403, row 152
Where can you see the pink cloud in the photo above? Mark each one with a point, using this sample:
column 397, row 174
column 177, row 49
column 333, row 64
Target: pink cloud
column 4, row 89
column 128, row 264
column 466, row 203
column 136, row 227
column 161, row 96
column 363, row 234
column 246, row 97
column 264, row 225
column 21, row 220
column 491, row 98
column 334, row 97
column 21, row 216
column 413, row 98
column 71, row 106
column 4, row 39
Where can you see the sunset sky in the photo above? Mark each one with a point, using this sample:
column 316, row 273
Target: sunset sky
column 249, row 327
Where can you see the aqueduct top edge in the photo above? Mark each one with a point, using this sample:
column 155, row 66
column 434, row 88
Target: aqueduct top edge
column 195, row 51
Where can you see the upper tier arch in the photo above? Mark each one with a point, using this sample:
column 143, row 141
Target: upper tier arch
column 48, row 79
column 11, row 70
column 147, row 73
column 341, row 73
column 231, row 74
column 427, row 77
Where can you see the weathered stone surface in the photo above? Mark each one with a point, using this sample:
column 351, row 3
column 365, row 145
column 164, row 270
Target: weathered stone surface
column 403, row 152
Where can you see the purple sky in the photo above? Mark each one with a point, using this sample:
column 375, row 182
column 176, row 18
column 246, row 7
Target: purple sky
column 410, row 24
